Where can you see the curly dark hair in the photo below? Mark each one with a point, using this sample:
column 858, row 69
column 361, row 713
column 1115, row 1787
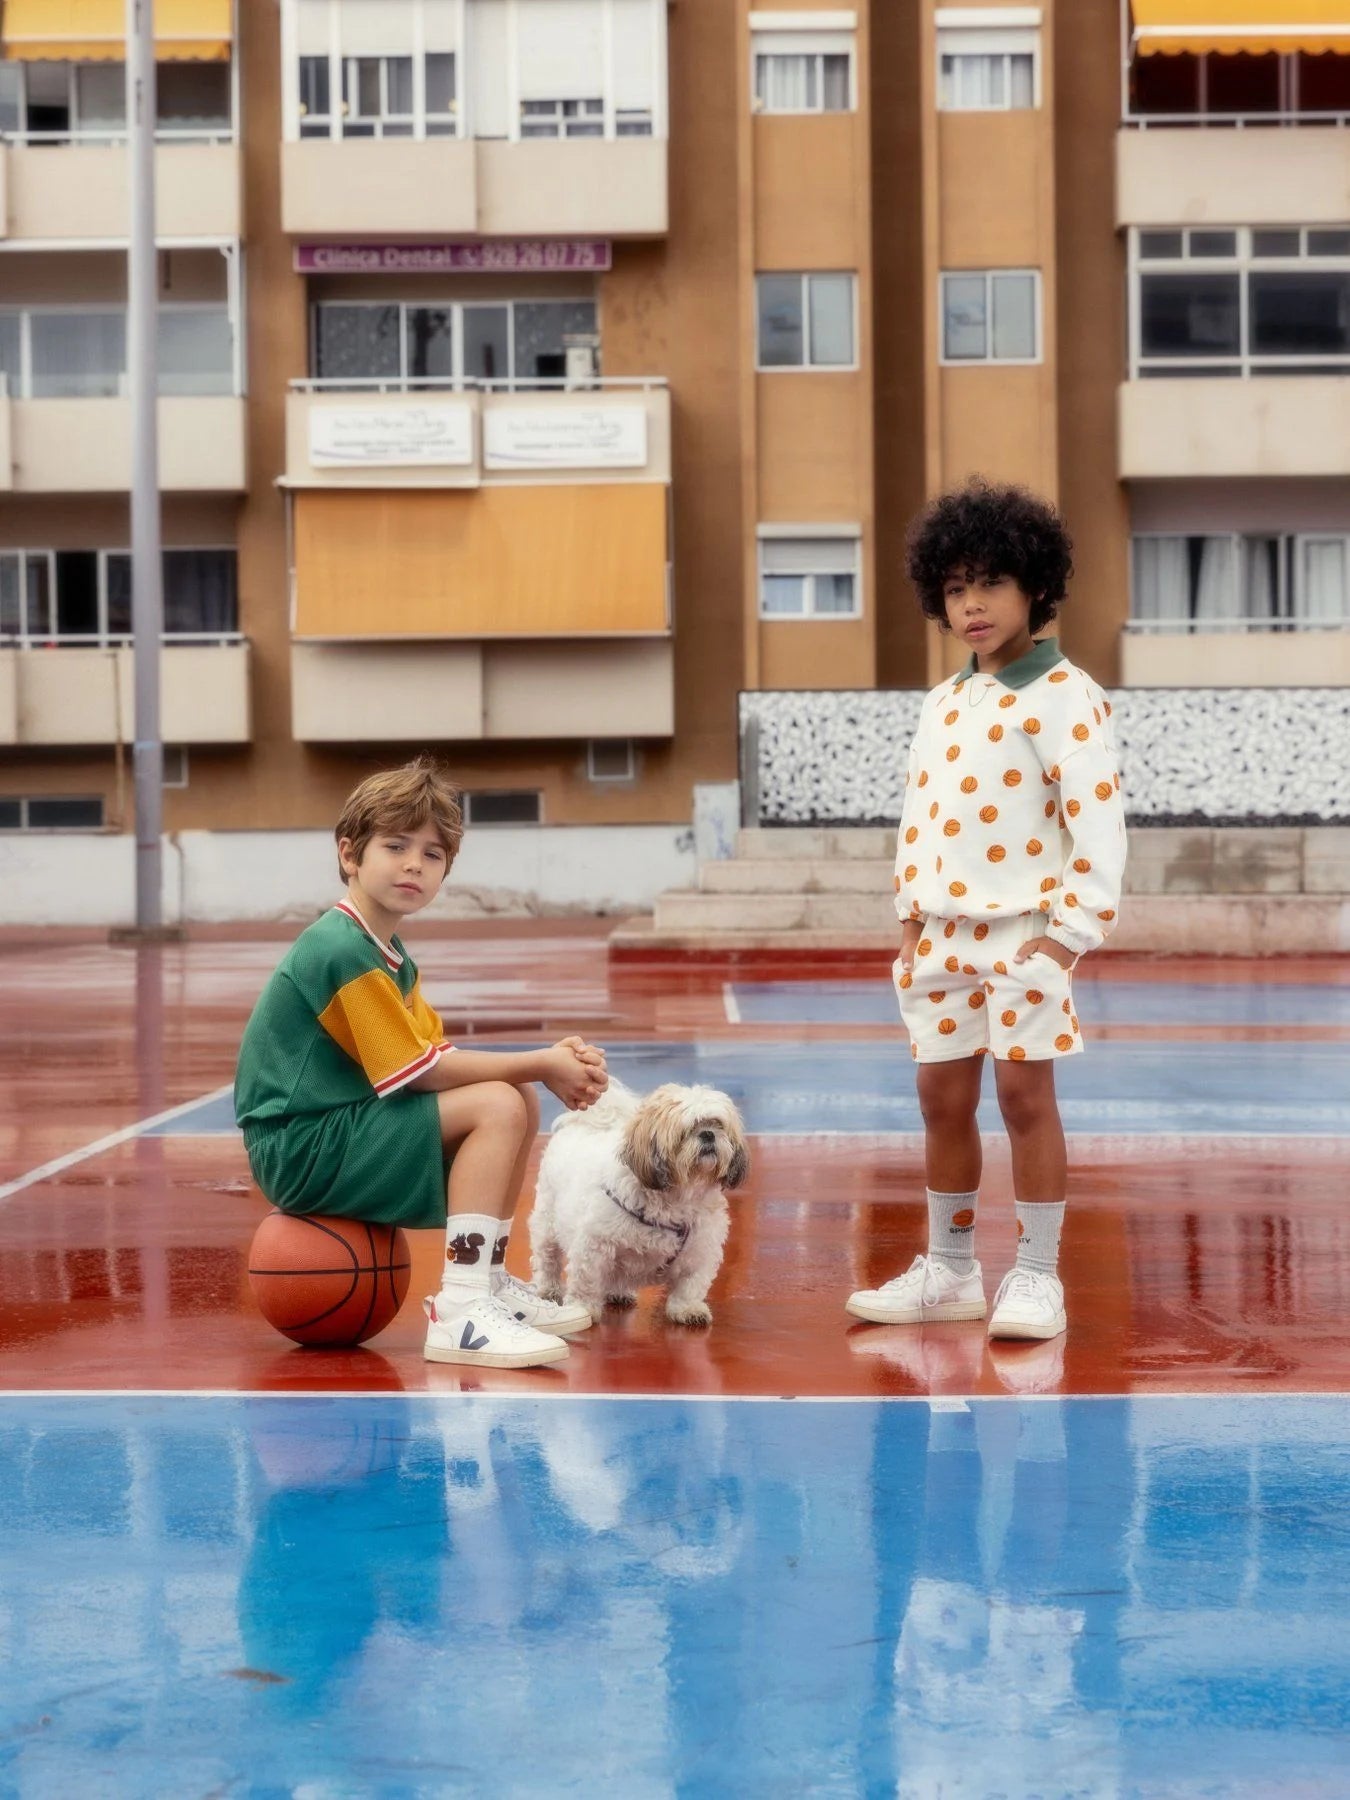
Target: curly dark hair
column 989, row 530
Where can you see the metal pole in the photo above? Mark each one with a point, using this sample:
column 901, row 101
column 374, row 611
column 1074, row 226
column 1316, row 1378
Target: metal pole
column 147, row 598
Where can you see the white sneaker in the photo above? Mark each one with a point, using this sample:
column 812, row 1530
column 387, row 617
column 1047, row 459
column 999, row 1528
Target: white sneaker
column 1029, row 1304
column 562, row 1317
column 485, row 1332
column 927, row 1293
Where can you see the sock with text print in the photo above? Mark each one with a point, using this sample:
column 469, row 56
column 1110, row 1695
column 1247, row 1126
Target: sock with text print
column 1038, row 1228
column 951, row 1230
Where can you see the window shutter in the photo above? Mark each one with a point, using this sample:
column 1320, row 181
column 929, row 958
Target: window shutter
column 311, row 27
column 634, row 55
column 487, row 69
column 376, row 27
column 439, row 27
column 561, row 49
column 808, row 556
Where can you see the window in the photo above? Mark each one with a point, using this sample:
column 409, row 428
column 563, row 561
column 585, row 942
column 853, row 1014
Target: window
column 562, row 118
column 803, row 71
column 610, row 761
column 376, row 68
column 1242, row 301
column 991, row 315
column 502, row 807
column 62, row 353
column 805, row 321
column 1225, row 89
column 84, row 596
column 517, row 341
column 1248, row 582
column 377, row 96
column 984, row 70
column 57, row 102
column 808, row 577
column 51, row 812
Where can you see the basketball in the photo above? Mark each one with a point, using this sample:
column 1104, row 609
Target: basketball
column 328, row 1281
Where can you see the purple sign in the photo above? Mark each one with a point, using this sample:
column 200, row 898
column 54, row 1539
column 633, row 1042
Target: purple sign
column 509, row 256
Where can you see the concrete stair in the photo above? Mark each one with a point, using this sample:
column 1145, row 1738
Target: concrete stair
column 829, row 891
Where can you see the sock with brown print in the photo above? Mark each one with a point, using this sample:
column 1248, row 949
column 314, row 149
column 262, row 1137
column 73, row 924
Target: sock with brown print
column 470, row 1239
column 951, row 1230
column 1038, row 1227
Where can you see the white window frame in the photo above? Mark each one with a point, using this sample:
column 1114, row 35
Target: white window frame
column 817, row 44
column 841, row 534
column 1244, row 262
column 959, row 34
column 104, row 638
column 1286, row 618
column 26, row 314
column 77, row 133
column 469, row 795
column 628, row 773
column 404, row 382
column 658, row 115
column 26, row 800
column 807, row 366
column 989, row 360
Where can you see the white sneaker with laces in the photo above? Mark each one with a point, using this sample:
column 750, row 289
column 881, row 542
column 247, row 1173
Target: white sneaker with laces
column 928, row 1292
column 561, row 1317
column 1029, row 1304
column 485, row 1332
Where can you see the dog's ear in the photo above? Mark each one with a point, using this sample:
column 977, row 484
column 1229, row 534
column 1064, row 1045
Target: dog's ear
column 641, row 1152
column 740, row 1165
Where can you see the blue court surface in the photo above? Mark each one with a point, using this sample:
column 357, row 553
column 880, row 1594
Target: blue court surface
column 1180, row 1087
column 472, row 1595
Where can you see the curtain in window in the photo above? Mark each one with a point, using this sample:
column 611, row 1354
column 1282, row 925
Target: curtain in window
column 964, row 317
column 11, row 609
column 196, row 351
column 1322, row 582
column 77, row 355
column 1162, row 580
column 787, row 83
column 1014, row 298
column 831, row 298
column 11, row 336
column 1260, row 579
column 978, row 81
column 1023, row 82
column 836, row 95
column 199, row 591
column 1212, row 575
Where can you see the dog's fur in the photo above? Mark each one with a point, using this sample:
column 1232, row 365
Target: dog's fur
column 621, row 1184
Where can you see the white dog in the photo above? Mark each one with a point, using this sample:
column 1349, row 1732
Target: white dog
column 631, row 1192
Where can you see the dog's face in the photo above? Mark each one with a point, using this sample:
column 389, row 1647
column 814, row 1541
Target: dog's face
column 684, row 1136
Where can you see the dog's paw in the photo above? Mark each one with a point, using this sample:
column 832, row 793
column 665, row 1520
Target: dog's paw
column 549, row 1290
column 624, row 1300
column 689, row 1312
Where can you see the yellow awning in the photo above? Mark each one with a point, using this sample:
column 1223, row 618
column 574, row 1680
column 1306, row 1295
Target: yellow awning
column 1169, row 27
column 95, row 30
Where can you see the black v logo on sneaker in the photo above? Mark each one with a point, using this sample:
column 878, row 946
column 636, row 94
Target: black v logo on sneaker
column 467, row 1341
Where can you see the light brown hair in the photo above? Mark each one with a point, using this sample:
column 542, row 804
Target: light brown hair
column 402, row 799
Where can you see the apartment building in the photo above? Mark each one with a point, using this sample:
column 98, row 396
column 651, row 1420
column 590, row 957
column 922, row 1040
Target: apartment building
column 536, row 375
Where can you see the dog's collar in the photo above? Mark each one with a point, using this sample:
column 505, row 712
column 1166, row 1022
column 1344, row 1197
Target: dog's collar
column 676, row 1231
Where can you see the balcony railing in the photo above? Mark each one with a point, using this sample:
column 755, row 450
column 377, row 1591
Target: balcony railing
column 92, row 640
column 117, row 135
column 1239, row 627
column 471, row 384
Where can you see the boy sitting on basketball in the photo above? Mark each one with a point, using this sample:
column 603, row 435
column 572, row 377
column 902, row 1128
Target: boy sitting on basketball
column 353, row 1105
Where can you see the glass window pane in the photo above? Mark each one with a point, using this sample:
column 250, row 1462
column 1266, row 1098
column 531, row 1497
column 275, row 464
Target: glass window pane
column 11, row 594
column 1329, row 243
column 430, row 346
column 831, row 320
column 399, row 85
column 1157, row 245
column 356, row 342
column 77, row 355
column 192, row 95
column 11, row 815
column 11, row 337
column 440, row 80
column 1023, row 81
column 11, row 97
column 200, row 591
column 1161, row 586
column 101, row 96
column 782, row 595
column 835, row 86
column 77, row 593
column 1275, row 243
column 1014, row 317
column 1189, row 315
column 38, row 585
column 196, row 351
column 964, row 324
column 781, row 336
column 1323, row 591
column 48, row 97
column 63, row 814
column 786, row 83
column 1212, row 243
column 117, row 575
column 1300, row 313
column 487, row 352
column 314, row 89
column 1260, row 579
column 542, row 330
column 834, row 593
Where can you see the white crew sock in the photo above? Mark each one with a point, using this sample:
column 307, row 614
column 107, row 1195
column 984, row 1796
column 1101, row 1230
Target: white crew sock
column 951, row 1230
column 1038, row 1227
column 502, row 1227
column 469, row 1241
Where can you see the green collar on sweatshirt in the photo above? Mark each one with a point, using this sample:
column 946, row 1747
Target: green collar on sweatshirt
column 1026, row 669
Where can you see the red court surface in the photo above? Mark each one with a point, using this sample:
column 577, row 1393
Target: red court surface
column 1217, row 1262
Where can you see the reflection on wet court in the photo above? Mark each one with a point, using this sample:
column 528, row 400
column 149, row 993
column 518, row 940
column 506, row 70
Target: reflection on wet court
column 788, row 1555
column 358, row 1595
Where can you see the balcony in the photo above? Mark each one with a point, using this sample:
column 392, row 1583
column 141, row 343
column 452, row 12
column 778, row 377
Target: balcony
column 1269, row 425
column 1235, row 658
column 1170, row 175
column 383, row 188
column 77, row 190
column 386, row 434
column 83, row 446
column 481, row 692
column 71, row 696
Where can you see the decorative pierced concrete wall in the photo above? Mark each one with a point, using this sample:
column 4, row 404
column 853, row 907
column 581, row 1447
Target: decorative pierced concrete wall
column 1188, row 756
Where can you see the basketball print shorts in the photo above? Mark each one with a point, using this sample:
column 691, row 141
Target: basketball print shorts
column 966, row 995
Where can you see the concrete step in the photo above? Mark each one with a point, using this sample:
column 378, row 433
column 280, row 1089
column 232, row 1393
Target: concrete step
column 690, row 910
column 762, row 875
column 809, row 844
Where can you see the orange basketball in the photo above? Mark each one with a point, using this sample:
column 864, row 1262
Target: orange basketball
column 328, row 1281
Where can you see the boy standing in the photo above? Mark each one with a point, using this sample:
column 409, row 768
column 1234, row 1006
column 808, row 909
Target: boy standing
column 1009, row 867
column 353, row 1105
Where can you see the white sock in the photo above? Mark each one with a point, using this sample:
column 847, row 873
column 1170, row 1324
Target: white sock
column 503, row 1231
column 1038, row 1227
column 951, row 1230
column 469, row 1241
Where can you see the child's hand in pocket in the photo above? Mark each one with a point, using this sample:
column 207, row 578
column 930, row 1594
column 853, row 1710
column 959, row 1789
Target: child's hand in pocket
column 1044, row 946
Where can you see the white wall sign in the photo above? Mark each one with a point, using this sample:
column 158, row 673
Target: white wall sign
column 439, row 434
column 557, row 437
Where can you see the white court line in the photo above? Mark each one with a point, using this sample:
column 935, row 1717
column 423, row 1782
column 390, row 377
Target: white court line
column 940, row 1402
column 58, row 1164
column 730, row 1004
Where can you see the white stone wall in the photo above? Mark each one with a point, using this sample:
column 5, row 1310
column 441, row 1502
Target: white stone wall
column 1188, row 756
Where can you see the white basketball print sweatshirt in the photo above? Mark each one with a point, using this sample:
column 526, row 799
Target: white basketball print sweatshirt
column 1012, row 802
